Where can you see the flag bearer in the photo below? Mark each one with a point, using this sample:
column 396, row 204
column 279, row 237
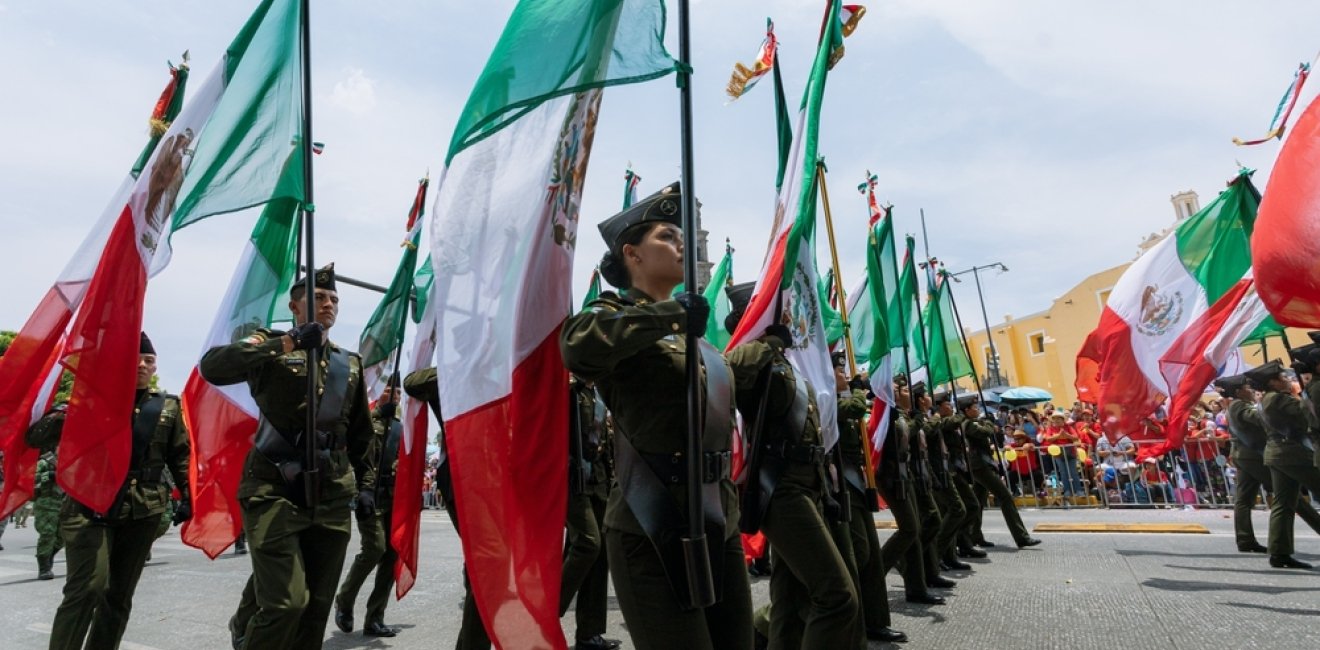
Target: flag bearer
column 1288, row 457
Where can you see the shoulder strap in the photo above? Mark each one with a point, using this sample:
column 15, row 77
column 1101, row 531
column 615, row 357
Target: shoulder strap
column 335, row 393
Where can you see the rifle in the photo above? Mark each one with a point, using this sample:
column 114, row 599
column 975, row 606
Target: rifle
column 577, row 476
column 749, row 502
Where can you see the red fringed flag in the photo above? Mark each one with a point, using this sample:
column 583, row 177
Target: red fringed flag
column 503, row 231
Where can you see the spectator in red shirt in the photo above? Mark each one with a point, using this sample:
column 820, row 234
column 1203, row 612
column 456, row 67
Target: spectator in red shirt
column 1027, row 477
column 1059, row 432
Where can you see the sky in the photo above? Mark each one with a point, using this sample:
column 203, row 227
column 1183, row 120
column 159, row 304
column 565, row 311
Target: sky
column 1045, row 135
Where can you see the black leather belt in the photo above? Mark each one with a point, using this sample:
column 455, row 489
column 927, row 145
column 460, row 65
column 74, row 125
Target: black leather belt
column 808, row 454
column 671, row 469
column 151, row 475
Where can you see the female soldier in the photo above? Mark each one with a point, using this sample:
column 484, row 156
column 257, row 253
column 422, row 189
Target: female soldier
column 631, row 345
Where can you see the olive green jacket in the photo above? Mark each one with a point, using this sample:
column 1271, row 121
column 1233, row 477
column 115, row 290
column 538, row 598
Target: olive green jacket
column 1248, row 430
column 168, row 449
column 980, row 442
column 1285, row 419
column 633, row 349
column 278, row 383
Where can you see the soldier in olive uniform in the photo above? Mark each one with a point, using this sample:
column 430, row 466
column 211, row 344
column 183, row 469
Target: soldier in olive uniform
column 1249, row 441
column 1308, row 358
column 298, row 550
column 377, row 552
column 586, row 570
column 106, row 551
column 813, row 603
column 949, row 424
column 953, row 514
column 46, row 502
column 425, row 385
column 904, row 547
column 631, row 345
column 1287, row 455
column 980, row 446
column 870, row 580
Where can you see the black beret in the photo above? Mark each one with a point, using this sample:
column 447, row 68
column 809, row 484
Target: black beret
column 1260, row 376
column 324, row 278
column 967, row 401
column 145, row 347
column 663, row 206
column 1230, row 385
column 739, row 295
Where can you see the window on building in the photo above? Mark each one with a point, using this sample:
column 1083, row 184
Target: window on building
column 1036, row 343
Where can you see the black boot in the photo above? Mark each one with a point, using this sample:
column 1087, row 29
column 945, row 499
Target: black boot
column 1287, row 562
column 44, row 571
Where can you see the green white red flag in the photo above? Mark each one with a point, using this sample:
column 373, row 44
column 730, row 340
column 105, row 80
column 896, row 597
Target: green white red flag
column 503, row 231
column 382, row 336
column 222, row 153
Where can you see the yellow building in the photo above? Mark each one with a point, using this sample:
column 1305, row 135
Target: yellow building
column 1040, row 349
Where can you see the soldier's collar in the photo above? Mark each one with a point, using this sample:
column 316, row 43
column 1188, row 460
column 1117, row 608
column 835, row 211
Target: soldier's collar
column 638, row 296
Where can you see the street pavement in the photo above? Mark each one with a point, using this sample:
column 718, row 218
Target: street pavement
column 1075, row 591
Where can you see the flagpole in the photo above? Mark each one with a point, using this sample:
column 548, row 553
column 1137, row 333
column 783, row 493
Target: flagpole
column 701, row 586
column 843, row 316
column 311, row 474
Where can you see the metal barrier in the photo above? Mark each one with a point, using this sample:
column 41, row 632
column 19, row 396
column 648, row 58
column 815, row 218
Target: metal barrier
column 1107, row 475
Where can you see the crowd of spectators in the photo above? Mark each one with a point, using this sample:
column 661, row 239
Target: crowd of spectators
column 1060, row 456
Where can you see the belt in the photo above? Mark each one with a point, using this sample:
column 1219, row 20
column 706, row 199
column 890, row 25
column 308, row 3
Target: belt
column 807, row 454
column 671, row 469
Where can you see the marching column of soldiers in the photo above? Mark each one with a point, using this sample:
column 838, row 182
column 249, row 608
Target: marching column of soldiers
column 627, row 477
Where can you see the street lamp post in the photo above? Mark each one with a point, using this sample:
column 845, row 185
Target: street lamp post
column 989, row 337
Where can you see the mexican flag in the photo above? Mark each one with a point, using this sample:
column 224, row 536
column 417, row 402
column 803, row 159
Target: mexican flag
column 882, row 288
column 221, row 154
column 21, row 405
column 787, row 288
column 406, row 517
column 1287, row 242
column 382, row 336
column 504, row 228
column 222, row 419
column 1166, row 292
column 1208, row 349
column 947, row 361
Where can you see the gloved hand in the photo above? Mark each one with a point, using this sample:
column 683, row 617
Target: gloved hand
column 781, row 332
column 182, row 511
column 366, row 503
column 307, row 336
column 387, row 410
column 698, row 312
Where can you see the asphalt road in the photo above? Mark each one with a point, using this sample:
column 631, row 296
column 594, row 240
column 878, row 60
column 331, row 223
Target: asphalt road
column 1076, row 591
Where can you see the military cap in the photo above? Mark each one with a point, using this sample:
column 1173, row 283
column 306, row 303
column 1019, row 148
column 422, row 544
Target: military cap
column 739, row 295
column 941, row 397
column 663, row 206
column 901, row 380
column 1315, row 336
column 1260, row 376
column 393, row 381
column 1229, row 386
column 145, row 346
column 324, row 278
column 1305, row 357
column 967, row 401
column 839, row 359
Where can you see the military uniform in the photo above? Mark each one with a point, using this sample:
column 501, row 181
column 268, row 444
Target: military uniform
column 47, row 499
column 894, row 478
column 297, row 551
column 953, row 513
column 377, row 550
column 586, row 569
column 951, row 430
column 980, row 442
column 634, row 350
column 872, row 594
column 106, row 551
column 424, row 385
column 1288, row 457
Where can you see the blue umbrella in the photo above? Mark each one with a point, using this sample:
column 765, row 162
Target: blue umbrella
column 1023, row 395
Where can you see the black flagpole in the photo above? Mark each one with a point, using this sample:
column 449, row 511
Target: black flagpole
column 701, row 587
column 311, row 475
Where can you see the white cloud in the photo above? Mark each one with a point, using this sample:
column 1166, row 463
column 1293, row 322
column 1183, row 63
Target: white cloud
column 355, row 93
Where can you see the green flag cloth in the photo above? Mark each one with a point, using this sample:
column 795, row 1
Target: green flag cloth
column 593, row 289
column 256, row 126
column 905, row 306
column 383, row 334
column 948, row 359
column 828, row 314
column 719, row 302
column 422, row 282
